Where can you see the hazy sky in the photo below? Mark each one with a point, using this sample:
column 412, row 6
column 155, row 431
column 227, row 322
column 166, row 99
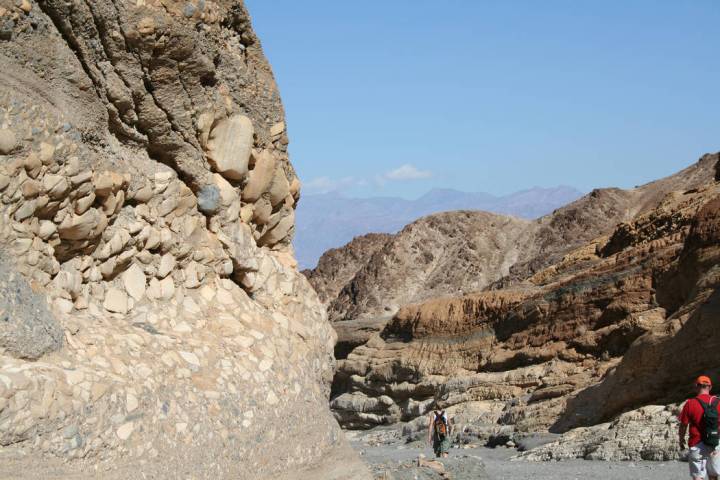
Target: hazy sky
column 396, row 97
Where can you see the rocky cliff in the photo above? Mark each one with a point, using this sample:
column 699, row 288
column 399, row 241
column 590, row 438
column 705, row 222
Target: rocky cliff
column 600, row 314
column 153, row 316
column 441, row 254
column 456, row 252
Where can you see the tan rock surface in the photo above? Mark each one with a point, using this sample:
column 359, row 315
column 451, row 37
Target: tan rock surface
column 229, row 146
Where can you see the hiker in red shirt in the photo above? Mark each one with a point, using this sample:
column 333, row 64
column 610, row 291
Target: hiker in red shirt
column 700, row 414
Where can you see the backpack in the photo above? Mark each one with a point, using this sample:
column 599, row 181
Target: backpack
column 710, row 435
column 440, row 425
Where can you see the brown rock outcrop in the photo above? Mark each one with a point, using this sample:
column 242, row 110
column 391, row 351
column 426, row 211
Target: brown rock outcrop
column 338, row 266
column 442, row 254
column 159, row 324
column 614, row 308
column 456, row 252
column 660, row 366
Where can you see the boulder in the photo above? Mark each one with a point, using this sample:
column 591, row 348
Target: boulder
column 167, row 288
column 8, row 141
column 28, row 329
column 227, row 192
column 134, row 282
column 262, row 211
column 116, row 301
column 648, row 433
column 56, row 186
column 280, row 231
column 32, row 165
column 47, row 153
column 30, row 188
column 26, row 210
column 46, row 229
column 277, row 129
column 107, row 182
column 260, row 177
column 208, row 199
column 167, row 265
column 229, row 146
column 69, row 282
column 82, row 204
column 280, row 187
column 80, row 227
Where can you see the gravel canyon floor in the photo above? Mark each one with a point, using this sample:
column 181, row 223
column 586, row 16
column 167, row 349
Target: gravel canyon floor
column 499, row 466
column 397, row 460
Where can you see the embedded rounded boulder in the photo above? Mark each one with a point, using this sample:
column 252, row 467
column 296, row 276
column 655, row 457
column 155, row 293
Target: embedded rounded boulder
column 260, row 177
column 230, row 145
column 281, row 229
column 8, row 141
column 280, row 187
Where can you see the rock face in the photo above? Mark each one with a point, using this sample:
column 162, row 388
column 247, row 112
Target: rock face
column 339, row 265
column 442, row 254
column 27, row 328
column 456, row 252
column 649, row 433
column 592, row 321
column 155, row 320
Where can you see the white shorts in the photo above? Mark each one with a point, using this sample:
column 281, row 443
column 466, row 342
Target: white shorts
column 703, row 460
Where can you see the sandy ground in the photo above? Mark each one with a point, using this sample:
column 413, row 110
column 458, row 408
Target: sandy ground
column 463, row 465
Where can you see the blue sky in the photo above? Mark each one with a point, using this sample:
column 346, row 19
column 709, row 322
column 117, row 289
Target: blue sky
column 397, row 97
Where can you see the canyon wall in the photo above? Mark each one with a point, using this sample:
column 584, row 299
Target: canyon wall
column 603, row 294
column 153, row 316
column 453, row 253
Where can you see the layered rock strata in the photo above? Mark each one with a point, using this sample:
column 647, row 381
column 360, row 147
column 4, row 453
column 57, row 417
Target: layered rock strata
column 452, row 253
column 155, row 319
column 573, row 344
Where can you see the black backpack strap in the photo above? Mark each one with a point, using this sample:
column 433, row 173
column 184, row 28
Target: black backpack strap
column 702, row 404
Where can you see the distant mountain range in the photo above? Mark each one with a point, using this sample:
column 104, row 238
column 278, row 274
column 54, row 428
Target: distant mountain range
column 331, row 220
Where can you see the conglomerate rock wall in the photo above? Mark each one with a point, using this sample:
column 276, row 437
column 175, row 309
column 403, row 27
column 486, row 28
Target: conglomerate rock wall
column 154, row 318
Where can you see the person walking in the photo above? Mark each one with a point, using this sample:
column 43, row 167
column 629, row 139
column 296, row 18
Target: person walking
column 439, row 430
column 699, row 416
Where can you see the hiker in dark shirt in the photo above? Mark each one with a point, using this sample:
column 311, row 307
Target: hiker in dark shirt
column 700, row 416
column 439, row 430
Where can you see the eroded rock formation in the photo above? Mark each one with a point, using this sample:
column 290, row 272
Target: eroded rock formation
column 155, row 318
column 457, row 252
column 595, row 321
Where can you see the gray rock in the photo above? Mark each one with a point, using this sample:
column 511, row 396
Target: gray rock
column 27, row 328
column 189, row 10
column 70, row 431
column 209, row 199
column 6, row 30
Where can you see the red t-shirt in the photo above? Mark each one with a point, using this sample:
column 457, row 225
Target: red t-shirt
column 692, row 414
